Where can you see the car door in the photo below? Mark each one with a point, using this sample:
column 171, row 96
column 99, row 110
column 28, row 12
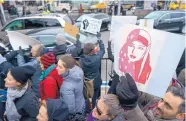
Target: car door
column 164, row 22
column 177, row 21
column 16, row 25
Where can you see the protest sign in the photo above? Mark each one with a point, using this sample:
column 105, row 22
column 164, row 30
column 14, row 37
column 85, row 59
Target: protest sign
column 18, row 39
column 119, row 21
column 71, row 30
column 91, row 25
column 147, row 23
column 150, row 56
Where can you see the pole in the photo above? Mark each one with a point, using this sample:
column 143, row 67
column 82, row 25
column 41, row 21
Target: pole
column 119, row 8
column 2, row 12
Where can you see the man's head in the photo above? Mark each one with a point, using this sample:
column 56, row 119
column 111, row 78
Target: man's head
column 37, row 50
column 60, row 39
column 172, row 105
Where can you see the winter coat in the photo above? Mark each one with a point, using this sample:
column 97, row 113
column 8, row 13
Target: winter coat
column 91, row 65
column 28, row 106
column 72, row 90
column 35, row 78
column 49, row 87
column 74, row 50
column 57, row 110
column 4, row 67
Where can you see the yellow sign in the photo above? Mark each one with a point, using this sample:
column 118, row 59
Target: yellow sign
column 1, row 1
column 71, row 30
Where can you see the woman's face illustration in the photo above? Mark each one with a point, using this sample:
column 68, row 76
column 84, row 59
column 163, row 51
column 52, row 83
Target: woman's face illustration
column 136, row 51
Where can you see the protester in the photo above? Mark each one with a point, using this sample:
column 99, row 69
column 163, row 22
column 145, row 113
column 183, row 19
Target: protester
column 50, row 80
column 169, row 108
column 53, row 110
column 36, row 51
column 4, row 67
column 91, row 64
column 72, row 89
column 62, row 47
column 107, row 109
column 21, row 103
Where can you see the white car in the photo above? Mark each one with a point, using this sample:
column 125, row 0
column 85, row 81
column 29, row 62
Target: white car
column 25, row 24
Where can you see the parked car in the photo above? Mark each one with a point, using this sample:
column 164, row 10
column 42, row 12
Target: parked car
column 25, row 24
column 168, row 20
column 106, row 20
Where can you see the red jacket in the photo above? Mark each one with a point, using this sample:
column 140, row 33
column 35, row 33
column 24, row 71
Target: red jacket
column 50, row 86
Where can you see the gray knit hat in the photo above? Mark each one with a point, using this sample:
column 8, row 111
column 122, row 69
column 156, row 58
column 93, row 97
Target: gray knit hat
column 60, row 39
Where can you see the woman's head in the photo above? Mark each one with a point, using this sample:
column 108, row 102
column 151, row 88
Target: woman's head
column 137, row 45
column 47, row 60
column 107, row 107
column 65, row 63
column 19, row 76
column 53, row 109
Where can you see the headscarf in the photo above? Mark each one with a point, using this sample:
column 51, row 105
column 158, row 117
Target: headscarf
column 140, row 70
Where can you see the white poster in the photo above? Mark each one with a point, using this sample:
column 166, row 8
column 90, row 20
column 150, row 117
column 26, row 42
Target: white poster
column 18, row 39
column 91, row 25
column 147, row 23
column 118, row 21
column 150, row 56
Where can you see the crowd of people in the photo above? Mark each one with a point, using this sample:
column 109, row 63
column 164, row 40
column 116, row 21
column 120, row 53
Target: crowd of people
column 50, row 87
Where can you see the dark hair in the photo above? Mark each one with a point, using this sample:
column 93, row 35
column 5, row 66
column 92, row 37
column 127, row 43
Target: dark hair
column 69, row 61
column 178, row 92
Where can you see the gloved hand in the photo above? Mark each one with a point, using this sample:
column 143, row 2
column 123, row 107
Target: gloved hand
column 30, row 47
column 98, row 35
column 20, row 51
column 127, row 92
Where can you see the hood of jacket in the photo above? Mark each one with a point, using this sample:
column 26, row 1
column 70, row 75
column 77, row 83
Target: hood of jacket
column 89, row 60
column 57, row 110
column 62, row 49
column 75, row 74
column 2, row 59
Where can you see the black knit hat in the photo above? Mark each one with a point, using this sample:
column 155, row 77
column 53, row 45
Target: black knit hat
column 127, row 92
column 23, row 73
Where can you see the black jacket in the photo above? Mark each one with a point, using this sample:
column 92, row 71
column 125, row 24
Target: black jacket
column 91, row 65
column 28, row 106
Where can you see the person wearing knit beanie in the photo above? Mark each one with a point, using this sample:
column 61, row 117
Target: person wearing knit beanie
column 60, row 39
column 47, row 60
column 21, row 74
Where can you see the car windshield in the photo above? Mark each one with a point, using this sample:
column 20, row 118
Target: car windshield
column 88, row 15
column 153, row 15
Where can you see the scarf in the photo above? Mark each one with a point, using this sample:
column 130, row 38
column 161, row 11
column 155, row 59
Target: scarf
column 46, row 72
column 11, row 110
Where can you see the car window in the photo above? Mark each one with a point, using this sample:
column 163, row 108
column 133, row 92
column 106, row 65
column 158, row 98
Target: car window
column 154, row 15
column 166, row 16
column 177, row 15
column 33, row 23
column 51, row 22
column 101, row 16
column 45, row 39
column 15, row 25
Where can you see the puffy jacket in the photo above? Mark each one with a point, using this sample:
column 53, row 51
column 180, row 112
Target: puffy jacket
column 91, row 65
column 72, row 90
column 49, row 87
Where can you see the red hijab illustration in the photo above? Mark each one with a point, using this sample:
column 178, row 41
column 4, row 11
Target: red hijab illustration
column 134, row 57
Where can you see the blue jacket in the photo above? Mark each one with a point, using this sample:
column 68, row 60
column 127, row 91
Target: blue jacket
column 35, row 79
column 91, row 65
column 71, row 90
